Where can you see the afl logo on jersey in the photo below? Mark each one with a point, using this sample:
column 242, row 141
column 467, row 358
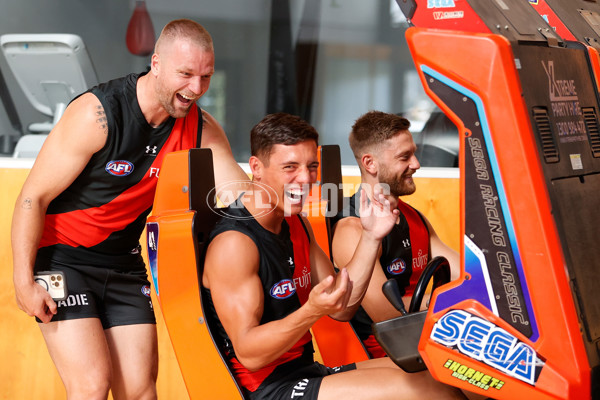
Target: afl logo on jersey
column 397, row 267
column 119, row 168
column 283, row 289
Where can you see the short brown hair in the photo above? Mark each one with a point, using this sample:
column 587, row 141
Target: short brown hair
column 185, row 29
column 372, row 129
column 279, row 128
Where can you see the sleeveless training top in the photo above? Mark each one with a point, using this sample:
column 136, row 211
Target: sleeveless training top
column 404, row 256
column 284, row 271
column 99, row 218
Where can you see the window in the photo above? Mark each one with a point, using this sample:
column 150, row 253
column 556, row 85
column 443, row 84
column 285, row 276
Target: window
column 328, row 61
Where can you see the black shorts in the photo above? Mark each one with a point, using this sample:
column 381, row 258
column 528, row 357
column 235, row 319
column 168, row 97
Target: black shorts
column 302, row 384
column 115, row 297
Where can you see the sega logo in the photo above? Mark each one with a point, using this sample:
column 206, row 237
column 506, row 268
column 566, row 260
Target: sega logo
column 146, row 290
column 283, row 289
column 440, row 4
column 397, row 267
column 119, row 168
column 483, row 341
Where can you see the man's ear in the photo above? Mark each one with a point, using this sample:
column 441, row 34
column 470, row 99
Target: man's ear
column 256, row 167
column 155, row 64
column 369, row 164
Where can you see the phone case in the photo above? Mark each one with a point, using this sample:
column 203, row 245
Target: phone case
column 54, row 282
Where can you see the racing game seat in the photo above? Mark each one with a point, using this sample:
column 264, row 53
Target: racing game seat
column 177, row 235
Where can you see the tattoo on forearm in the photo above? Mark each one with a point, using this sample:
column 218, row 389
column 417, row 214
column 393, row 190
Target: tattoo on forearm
column 26, row 204
column 101, row 119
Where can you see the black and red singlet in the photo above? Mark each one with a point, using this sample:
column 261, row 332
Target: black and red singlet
column 99, row 218
column 284, row 271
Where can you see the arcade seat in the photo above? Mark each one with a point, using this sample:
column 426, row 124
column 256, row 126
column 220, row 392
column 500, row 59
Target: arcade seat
column 51, row 69
column 177, row 234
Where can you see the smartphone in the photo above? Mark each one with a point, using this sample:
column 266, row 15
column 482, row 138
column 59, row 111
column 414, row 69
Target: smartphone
column 54, row 282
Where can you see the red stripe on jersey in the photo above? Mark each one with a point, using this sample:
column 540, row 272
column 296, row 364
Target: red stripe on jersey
column 91, row 226
column 252, row 380
column 419, row 240
column 301, row 258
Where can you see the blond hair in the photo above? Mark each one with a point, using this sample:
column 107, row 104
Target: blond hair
column 184, row 29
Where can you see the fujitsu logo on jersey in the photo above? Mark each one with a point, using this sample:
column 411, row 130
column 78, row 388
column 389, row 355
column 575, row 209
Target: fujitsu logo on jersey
column 397, row 266
column 283, row 289
column 119, row 168
column 303, row 280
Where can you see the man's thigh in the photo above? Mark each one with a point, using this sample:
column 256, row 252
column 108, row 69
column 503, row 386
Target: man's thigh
column 382, row 379
column 78, row 349
column 134, row 353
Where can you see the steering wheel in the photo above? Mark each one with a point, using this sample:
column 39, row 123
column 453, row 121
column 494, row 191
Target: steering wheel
column 438, row 269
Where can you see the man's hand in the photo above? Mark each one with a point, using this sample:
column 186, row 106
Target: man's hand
column 376, row 215
column 331, row 295
column 35, row 301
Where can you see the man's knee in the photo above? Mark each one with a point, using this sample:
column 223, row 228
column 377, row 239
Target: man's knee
column 92, row 386
column 145, row 392
column 140, row 386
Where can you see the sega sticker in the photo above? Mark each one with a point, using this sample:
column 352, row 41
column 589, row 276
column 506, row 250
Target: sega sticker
column 119, row 168
column 440, row 4
column 472, row 376
column 397, row 267
column 283, row 289
column 146, row 290
column 483, row 341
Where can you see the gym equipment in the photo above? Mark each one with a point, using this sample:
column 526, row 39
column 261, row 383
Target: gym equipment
column 51, row 69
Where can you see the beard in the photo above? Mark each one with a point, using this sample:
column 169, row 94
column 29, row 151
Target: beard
column 398, row 185
column 167, row 99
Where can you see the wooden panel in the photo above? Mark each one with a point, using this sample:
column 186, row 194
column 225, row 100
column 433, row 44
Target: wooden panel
column 436, row 198
column 27, row 371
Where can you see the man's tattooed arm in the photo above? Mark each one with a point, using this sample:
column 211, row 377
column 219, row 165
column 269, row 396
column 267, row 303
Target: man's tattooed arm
column 26, row 204
column 101, row 119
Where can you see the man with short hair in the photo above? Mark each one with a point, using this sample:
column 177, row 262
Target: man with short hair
column 385, row 153
column 84, row 204
column 267, row 281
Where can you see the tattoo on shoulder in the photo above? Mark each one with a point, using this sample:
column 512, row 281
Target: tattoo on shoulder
column 26, row 204
column 101, row 119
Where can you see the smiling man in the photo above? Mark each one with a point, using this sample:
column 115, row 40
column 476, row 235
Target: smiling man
column 267, row 281
column 84, row 204
column 385, row 152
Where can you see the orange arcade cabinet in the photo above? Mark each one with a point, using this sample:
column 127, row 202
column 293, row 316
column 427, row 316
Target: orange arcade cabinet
column 523, row 321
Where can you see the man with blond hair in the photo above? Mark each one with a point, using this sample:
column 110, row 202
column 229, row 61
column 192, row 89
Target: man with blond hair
column 83, row 207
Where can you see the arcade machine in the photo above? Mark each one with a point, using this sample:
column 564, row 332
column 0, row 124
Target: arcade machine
column 523, row 321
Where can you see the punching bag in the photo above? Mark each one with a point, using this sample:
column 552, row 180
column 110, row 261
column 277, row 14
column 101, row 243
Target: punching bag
column 140, row 32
